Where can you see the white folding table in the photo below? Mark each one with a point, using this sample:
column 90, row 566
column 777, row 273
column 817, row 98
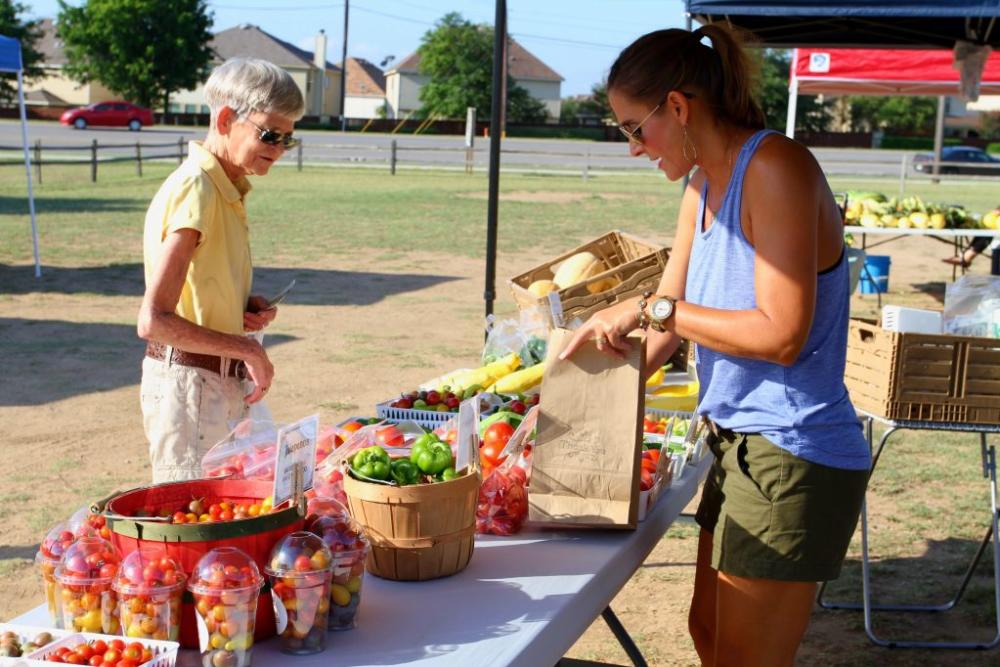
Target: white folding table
column 523, row 600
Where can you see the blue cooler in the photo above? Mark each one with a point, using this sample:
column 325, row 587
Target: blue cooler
column 875, row 276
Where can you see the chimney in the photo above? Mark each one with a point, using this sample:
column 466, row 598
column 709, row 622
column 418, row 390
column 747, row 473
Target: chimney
column 319, row 57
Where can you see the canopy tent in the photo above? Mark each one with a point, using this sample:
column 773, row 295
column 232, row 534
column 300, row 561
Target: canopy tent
column 857, row 23
column 879, row 72
column 10, row 61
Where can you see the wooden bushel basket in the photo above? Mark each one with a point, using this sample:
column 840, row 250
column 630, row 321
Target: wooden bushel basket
column 417, row 532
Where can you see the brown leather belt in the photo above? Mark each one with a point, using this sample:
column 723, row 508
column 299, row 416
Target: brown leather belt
column 208, row 362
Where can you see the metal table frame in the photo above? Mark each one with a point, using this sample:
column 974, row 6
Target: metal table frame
column 989, row 463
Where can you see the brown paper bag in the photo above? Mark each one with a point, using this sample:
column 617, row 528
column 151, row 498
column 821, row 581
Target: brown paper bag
column 586, row 460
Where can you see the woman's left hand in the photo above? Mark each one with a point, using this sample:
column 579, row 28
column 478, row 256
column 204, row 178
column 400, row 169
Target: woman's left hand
column 608, row 329
column 258, row 314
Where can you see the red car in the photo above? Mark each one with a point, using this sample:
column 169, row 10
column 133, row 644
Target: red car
column 109, row 114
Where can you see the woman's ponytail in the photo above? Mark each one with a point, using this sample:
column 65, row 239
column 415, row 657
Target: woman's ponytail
column 723, row 74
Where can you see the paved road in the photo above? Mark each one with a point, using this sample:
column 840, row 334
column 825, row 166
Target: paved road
column 440, row 151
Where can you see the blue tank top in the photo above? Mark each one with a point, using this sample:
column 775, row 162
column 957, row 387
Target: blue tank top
column 803, row 408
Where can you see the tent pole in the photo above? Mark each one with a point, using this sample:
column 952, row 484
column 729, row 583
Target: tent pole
column 687, row 176
column 938, row 139
column 496, row 130
column 27, row 170
column 793, row 96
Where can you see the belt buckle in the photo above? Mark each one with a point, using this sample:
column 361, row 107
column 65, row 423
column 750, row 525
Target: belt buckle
column 240, row 370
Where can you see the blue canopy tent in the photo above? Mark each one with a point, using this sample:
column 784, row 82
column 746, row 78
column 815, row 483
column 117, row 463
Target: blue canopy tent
column 10, row 61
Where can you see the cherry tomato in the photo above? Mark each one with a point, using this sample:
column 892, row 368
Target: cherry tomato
column 489, row 454
column 112, row 655
column 389, row 436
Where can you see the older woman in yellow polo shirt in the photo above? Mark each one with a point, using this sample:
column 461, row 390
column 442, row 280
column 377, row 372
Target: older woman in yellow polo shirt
column 198, row 307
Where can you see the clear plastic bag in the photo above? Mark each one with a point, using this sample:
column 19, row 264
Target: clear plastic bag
column 502, row 507
column 972, row 307
column 245, row 453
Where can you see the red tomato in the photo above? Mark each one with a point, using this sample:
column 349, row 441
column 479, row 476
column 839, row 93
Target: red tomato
column 489, row 454
column 112, row 655
column 99, row 646
column 132, row 652
column 654, row 454
column 495, row 439
column 117, row 644
column 648, row 465
column 84, row 651
column 645, row 480
column 96, row 660
column 389, row 436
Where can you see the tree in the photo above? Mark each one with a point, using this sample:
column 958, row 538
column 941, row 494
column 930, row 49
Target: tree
column 595, row 104
column 774, row 66
column 143, row 50
column 26, row 32
column 457, row 55
column 902, row 114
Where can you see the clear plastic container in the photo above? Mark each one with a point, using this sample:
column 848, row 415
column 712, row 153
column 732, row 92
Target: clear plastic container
column 150, row 588
column 349, row 547
column 299, row 569
column 225, row 584
column 85, row 576
column 56, row 542
column 84, row 522
column 325, row 506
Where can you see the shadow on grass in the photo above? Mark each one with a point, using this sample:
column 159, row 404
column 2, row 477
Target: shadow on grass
column 51, row 360
column 313, row 287
column 932, row 289
column 931, row 578
column 21, row 552
column 19, row 205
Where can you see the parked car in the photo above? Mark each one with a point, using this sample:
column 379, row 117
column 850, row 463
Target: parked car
column 967, row 159
column 108, row 114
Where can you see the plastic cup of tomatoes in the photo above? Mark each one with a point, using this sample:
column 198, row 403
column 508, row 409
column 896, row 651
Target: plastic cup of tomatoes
column 84, row 522
column 349, row 547
column 299, row 571
column 150, row 589
column 112, row 652
column 225, row 585
column 502, row 507
column 85, row 576
column 57, row 540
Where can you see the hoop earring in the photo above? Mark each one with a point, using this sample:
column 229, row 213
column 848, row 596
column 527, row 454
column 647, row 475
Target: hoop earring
column 684, row 147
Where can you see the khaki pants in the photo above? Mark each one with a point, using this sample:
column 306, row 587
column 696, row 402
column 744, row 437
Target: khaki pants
column 184, row 412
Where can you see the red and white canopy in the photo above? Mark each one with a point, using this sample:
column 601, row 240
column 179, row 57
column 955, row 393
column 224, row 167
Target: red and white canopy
column 885, row 72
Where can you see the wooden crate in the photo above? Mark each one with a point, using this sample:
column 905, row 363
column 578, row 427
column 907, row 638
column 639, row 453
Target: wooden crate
column 924, row 377
column 636, row 263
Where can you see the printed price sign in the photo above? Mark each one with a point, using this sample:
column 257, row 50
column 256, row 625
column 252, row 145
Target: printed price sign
column 296, row 449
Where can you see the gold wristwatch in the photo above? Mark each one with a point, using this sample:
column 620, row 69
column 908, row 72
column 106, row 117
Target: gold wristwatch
column 660, row 310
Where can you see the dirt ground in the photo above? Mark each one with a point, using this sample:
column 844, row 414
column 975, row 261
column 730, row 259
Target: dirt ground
column 352, row 334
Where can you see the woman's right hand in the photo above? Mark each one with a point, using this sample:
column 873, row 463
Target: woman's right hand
column 608, row 329
column 261, row 372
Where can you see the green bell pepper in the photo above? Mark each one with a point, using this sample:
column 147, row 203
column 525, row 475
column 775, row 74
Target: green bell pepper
column 372, row 462
column 405, row 471
column 446, row 475
column 431, row 457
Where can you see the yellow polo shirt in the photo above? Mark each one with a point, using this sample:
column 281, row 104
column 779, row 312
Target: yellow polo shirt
column 199, row 196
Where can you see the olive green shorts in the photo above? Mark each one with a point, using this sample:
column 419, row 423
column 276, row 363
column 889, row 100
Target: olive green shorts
column 774, row 515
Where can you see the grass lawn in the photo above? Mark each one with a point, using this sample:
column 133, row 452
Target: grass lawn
column 928, row 500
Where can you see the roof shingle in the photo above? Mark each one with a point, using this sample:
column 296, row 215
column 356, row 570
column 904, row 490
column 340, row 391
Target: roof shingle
column 364, row 79
column 521, row 65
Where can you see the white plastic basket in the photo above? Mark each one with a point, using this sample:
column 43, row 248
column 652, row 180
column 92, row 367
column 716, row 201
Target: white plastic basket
column 164, row 652
column 25, row 634
column 911, row 320
column 426, row 418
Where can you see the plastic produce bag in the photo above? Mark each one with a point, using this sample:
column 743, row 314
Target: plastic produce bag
column 972, row 307
column 503, row 496
column 526, row 337
column 248, row 452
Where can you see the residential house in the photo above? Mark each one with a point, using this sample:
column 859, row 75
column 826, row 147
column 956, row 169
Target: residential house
column 54, row 87
column 318, row 79
column 365, row 94
column 404, row 81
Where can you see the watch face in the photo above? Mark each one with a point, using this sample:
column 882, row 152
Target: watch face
column 661, row 309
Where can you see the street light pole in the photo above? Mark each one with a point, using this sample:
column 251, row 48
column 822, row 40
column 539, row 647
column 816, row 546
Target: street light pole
column 343, row 73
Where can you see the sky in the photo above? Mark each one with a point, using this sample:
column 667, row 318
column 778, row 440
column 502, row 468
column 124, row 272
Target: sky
column 579, row 39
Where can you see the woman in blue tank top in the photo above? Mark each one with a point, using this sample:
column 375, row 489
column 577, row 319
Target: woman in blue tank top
column 757, row 280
